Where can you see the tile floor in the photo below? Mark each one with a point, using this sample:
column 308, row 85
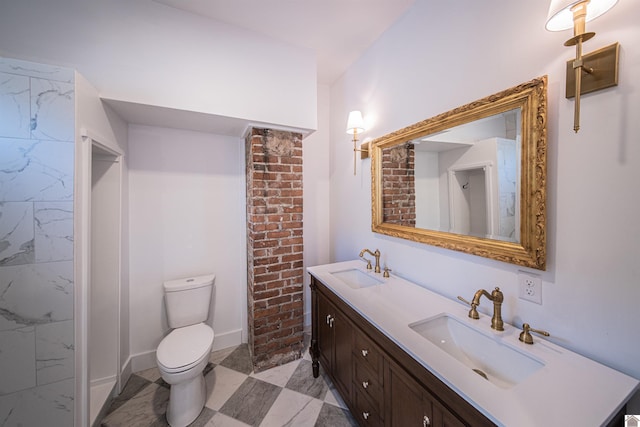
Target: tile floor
column 287, row 395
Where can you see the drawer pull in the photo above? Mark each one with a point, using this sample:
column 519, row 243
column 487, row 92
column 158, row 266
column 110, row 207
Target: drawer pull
column 328, row 318
column 331, row 322
column 426, row 421
column 365, row 415
column 365, row 352
column 365, row 384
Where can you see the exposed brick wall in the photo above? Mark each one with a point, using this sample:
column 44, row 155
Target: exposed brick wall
column 275, row 273
column 398, row 185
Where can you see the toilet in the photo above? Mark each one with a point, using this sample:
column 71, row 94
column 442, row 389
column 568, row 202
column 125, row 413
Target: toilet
column 183, row 354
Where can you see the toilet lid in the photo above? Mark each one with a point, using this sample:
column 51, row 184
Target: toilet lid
column 185, row 346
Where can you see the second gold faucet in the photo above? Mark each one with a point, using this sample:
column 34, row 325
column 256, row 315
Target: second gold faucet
column 497, row 297
column 376, row 254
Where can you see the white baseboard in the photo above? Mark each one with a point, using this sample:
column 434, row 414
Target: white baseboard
column 146, row 360
column 226, row 340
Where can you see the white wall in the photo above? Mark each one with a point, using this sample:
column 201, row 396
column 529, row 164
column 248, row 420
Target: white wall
column 187, row 218
column 429, row 63
column 315, row 157
column 137, row 50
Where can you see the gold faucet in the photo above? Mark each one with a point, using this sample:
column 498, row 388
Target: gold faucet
column 376, row 254
column 525, row 335
column 497, row 297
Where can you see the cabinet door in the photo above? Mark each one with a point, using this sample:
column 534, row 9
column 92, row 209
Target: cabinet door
column 407, row 406
column 325, row 332
column 413, row 405
column 343, row 344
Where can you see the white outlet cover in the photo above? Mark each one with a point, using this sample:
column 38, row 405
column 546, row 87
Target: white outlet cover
column 530, row 287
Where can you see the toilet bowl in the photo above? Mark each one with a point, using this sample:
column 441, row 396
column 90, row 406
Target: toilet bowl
column 183, row 354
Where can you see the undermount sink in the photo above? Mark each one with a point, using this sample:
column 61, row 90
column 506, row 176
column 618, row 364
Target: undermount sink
column 356, row 279
column 485, row 355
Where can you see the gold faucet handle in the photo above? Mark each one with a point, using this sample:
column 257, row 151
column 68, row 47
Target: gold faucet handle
column 368, row 261
column 525, row 335
column 386, row 272
column 473, row 313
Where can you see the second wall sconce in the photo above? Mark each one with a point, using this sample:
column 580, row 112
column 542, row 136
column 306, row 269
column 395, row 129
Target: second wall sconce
column 593, row 71
column 355, row 126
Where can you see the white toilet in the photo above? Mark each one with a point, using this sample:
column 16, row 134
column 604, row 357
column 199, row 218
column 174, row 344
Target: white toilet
column 183, row 354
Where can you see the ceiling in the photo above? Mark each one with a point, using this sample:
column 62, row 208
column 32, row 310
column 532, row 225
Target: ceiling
column 337, row 30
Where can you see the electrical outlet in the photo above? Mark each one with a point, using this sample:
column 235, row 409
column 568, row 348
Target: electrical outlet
column 530, row 287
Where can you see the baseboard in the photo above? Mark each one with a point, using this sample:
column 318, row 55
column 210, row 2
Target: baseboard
column 142, row 361
column 226, row 340
column 147, row 360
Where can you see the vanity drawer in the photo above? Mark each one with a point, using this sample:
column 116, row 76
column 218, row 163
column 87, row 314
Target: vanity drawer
column 365, row 411
column 367, row 352
column 367, row 382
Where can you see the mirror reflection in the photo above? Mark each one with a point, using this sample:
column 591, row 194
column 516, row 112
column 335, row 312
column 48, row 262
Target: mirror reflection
column 462, row 180
column 472, row 179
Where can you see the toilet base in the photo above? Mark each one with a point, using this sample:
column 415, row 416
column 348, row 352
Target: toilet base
column 186, row 400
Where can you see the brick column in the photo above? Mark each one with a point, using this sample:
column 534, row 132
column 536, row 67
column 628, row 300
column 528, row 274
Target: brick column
column 398, row 185
column 275, row 273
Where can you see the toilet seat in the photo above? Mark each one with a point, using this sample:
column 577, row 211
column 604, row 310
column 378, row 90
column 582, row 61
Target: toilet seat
column 184, row 348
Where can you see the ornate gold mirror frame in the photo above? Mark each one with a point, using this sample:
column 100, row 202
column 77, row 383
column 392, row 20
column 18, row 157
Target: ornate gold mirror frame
column 530, row 249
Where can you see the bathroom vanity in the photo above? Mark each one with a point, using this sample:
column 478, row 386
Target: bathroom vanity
column 401, row 355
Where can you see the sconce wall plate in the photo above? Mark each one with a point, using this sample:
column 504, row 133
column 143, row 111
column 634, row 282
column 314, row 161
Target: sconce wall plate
column 603, row 62
column 364, row 150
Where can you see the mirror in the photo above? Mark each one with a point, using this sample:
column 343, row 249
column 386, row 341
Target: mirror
column 472, row 179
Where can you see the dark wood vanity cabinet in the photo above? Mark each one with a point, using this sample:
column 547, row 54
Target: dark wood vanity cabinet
column 334, row 334
column 379, row 382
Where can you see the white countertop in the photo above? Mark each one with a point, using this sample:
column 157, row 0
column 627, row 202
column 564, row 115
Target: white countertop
column 568, row 389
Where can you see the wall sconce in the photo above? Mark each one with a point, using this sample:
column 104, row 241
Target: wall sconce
column 591, row 72
column 355, row 125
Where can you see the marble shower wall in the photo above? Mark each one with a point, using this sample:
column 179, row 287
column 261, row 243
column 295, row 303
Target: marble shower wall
column 36, row 244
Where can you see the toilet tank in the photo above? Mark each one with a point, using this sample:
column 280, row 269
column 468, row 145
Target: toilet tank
column 188, row 300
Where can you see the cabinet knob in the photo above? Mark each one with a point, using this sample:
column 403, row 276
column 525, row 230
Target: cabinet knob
column 331, row 322
column 426, row 421
column 365, row 384
column 365, row 415
column 365, row 352
column 328, row 318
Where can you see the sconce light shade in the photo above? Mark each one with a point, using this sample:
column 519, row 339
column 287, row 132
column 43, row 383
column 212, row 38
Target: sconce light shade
column 560, row 16
column 598, row 69
column 355, row 123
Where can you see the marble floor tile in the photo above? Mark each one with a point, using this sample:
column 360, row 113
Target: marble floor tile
column 151, row 374
column 251, row 402
column 239, row 360
column 221, row 420
column 221, row 383
column 334, row 398
column 292, row 409
column 236, row 398
column 147, row 407
column 279, row 375
column 219, row 355
column 303, row 382
column 332, row 416
column 133, row 386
